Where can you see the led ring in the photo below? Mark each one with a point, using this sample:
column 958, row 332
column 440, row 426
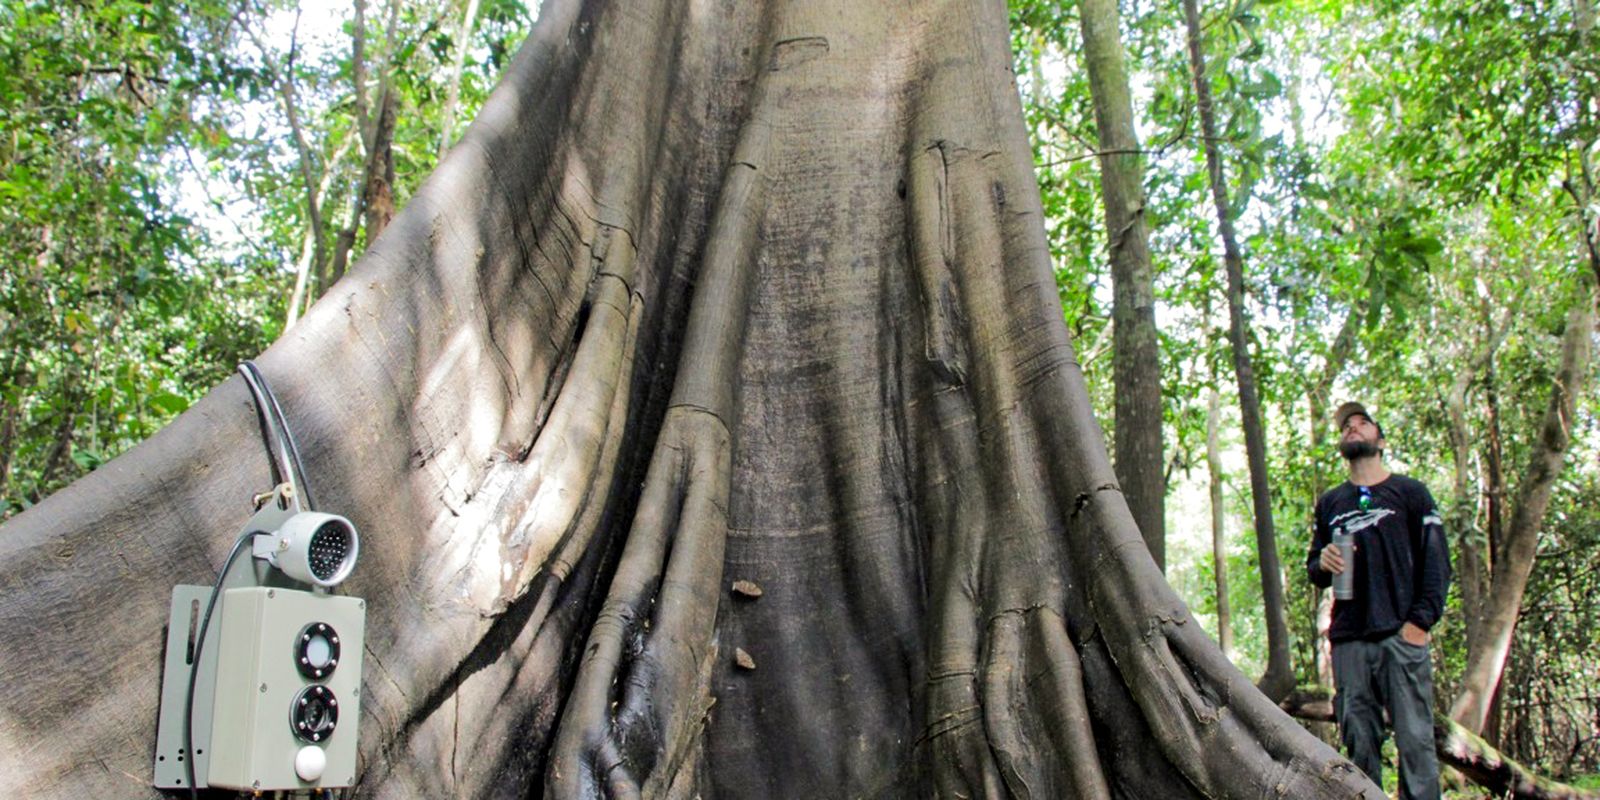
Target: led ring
column 316, row 650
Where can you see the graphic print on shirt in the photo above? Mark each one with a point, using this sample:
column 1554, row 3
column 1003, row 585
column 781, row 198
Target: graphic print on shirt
column 1353, row 521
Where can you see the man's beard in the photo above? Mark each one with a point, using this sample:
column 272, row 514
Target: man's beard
column 1353, row 449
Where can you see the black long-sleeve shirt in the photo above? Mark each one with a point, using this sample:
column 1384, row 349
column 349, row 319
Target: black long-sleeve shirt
column 1401, row 561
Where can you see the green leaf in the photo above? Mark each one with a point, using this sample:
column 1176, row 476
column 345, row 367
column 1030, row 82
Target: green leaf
column 1427, row 245
column 87, row 459
column 1267, row 86
column 169, row 403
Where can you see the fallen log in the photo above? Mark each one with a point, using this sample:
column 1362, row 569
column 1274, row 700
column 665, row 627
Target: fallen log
column 1460, row 749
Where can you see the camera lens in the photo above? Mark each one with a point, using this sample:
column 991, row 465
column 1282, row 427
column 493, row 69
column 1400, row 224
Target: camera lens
column 314, row 713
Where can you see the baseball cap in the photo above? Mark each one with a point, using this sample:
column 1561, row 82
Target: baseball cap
column 1347, row 410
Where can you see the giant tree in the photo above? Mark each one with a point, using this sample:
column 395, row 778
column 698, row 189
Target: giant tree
column 756, row 292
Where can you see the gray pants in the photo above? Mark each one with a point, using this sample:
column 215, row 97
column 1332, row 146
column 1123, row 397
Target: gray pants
column 1393, row 673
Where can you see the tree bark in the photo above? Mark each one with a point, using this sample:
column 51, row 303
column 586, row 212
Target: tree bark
column 1219, row 531
column 358, row 74
column 1513, row 561
column 1136, row 356
column 756, row 295
column 1494, row 493
column 377, row 196
column 8, row 447
column 1279, row 677
column 1472, row 566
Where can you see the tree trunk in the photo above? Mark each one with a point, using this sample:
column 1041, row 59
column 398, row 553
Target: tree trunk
column 1494, row 491
column 376, row 177
column 1472, row 569
column 377, row 198
column 1472, row 565
column 307, row 266
column 453, row 93
column 1219, row 537
column 8, row 447
column 60, row 453
column 282, row 79
column 1279, row 677
column 1136, row 357
column 358, row 73
column 761, row 294
column 1318, row 419
column 1513, row 561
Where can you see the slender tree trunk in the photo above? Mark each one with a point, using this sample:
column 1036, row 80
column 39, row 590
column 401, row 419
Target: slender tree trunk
column 60, row 444
column 1472, row 540
column 378, row 196
column 8, row 443
column 283, row 81
column 1472, row 569
column 1219, row 532
column 1318, row 394
column 1279, row 677
column 1512, row 562
column 1494, row 482
column 373, row 199
column 1582, row 185
column 358, row 75
column 453, row 93
column 1136, row 358
column 346, row 238
column 1317, row 426
column 1493, row 463
column 692, row 303
column 308, row 263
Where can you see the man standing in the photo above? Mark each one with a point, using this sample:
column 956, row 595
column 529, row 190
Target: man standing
column 1400, row 567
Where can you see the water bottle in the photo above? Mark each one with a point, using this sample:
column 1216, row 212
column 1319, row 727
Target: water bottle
column 1344, row 583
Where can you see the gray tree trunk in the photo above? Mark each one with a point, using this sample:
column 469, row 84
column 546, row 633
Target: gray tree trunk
column 1136, row 356
column 1279, row 677
column 1490, row 632
column 754, row 292
column 1472, row 541
column 453, row 93
column 1219, row 531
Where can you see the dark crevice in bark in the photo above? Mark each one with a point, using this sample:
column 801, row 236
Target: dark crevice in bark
column 1136, row 768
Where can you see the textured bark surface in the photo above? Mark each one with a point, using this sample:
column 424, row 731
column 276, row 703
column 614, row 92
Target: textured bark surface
column 1219, row 529
column 1136, row 360
column 708, row 293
